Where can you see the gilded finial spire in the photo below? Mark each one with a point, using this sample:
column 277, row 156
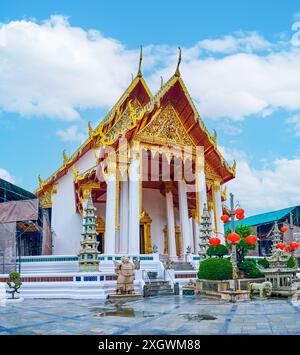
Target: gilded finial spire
column 177, row 73
column 65, row 158
column 91, row 131
column 214, row 137
column 233, row 166
column 139, row 73
column 75, row 172
column 161, row 82
column 40, row 181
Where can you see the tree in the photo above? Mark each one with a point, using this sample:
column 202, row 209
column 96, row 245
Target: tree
column 219, row 251
column 242, row 247
column 14, row 283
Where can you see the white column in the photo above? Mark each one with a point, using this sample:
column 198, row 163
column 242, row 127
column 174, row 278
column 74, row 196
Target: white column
column 134, row 203
column 212, row 219
column 191, row 234
column 202, row 194
column 218, row 201
column 196, row 234
column 184, row 216
column 170, row 223
column 110, row 219
column 123, row 217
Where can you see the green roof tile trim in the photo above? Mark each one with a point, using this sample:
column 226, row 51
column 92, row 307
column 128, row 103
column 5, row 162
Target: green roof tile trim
column 146, row 258
column 37, row 260
column 262, row 218
column 70, row 258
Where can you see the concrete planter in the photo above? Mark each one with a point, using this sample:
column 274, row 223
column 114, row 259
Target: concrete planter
column 235, row 296
column 215, row 288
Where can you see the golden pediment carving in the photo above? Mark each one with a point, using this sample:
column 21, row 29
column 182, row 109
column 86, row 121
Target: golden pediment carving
column 125, row 122
column 210, row 173
column 165, row 128
column 45, row 198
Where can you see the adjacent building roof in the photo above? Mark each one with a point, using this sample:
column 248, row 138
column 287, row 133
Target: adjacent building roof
column 11, row 192
column 263, row 218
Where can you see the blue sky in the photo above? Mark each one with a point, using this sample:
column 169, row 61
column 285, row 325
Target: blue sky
column 63, row 63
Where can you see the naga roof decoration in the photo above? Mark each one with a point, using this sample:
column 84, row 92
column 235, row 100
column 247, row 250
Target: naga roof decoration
column 169, row 115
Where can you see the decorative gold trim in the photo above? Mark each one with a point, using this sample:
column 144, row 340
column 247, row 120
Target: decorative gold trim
column 146, row 221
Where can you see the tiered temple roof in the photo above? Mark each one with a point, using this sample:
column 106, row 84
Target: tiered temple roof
column 135, row 110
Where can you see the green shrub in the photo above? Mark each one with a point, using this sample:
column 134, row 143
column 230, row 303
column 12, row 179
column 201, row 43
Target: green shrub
column 250, row 268
column 255, row 273
column 219, row 251
column 215, row 269
column 14, row 283
column 263, row 262
column 291, row 263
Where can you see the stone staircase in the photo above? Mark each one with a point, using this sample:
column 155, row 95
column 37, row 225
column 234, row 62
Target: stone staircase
column 182, row 266
column 158, row 288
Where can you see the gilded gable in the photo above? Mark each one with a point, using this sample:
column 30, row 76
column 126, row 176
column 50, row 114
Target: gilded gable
column 165, row 128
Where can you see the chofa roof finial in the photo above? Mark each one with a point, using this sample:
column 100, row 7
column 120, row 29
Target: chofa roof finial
column 177, row 73
column 139, row 73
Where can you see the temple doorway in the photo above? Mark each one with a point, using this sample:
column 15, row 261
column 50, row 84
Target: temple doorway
column 101, row 234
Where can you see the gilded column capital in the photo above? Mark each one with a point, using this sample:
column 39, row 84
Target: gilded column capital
column 168, row 186
column 216, row 185
column 135, row 150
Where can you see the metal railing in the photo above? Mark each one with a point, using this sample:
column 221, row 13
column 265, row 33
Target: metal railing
column 145, row 272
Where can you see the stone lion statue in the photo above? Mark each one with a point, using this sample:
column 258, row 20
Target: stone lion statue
column 125, row 271
column 264, row 289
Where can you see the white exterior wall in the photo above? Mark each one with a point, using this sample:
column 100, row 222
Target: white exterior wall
column 66, row 223
column 155, row 205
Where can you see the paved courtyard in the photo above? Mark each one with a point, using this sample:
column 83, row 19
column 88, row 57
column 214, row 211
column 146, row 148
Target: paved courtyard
column 159, row 315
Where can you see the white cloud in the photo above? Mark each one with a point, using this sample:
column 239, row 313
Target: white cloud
column 261, row 190
column 295, row 122
column 54, row 69
column 239, row 41
column 71, row 134
column 51, row 69
column 5, row 175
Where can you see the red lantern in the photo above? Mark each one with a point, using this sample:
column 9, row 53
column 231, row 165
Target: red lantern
column 214, row 242
column 224, row 218
column 287, row 250
column 233, row 238
column 240, row 216
column 280, row 246
column 284, row 229
column 251, row 239
column 294, row 245
column 239, row 211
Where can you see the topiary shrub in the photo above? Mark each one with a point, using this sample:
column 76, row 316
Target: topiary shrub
column 263, row 262
column 215, row 269
column 219, row 251
column 291, row 263
column 14, row 283
column 250, row 268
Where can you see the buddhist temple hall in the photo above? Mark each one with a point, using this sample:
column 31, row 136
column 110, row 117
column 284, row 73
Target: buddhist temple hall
column 150, row 166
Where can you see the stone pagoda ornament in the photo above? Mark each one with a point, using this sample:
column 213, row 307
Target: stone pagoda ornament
column 88, row 254
column 279, row 274
column 276, row 238
column 205, row 232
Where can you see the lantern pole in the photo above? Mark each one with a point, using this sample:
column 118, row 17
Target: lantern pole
column 233, row 249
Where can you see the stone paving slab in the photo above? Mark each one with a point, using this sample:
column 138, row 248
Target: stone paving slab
column 157, row 315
